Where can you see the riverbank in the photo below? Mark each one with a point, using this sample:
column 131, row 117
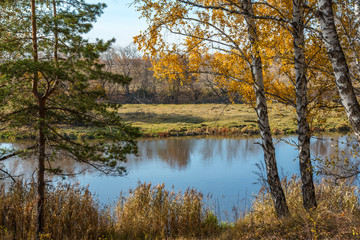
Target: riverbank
column 165, row 120
column 153, row 212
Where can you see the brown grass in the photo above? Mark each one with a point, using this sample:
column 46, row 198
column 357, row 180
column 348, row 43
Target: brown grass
column 153, row 212
column 71, row 212
column 337, row 215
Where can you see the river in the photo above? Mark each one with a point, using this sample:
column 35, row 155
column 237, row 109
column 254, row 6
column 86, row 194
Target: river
column 223, row 167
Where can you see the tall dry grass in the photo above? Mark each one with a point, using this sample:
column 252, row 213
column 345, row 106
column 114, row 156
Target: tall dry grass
column 71, row 212
column 153, row 212
column 336, row 217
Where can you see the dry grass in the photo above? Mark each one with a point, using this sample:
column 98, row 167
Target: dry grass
column 153, row 212
column 337, row 215
column 156, row 213
column 71, row 212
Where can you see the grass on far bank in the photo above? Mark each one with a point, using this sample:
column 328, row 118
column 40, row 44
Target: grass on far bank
column 219, row 119
column 153, row 212
column 164, row 120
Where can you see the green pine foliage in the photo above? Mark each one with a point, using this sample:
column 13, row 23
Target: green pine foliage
column 67, row 70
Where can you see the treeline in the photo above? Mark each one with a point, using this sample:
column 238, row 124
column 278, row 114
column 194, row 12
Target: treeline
column 146, row 88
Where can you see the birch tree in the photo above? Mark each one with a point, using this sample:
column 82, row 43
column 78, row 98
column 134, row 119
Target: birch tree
column 226, row 43
column 339, row 64
column 306, row 171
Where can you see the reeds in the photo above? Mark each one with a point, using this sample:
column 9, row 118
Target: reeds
column 71, row 212
column 154, row 212
column 336, row 217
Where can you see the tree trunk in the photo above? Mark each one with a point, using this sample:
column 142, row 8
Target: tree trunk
column 308, row 189
column 56, row 39
column 41, row 170
column 357, row 13
column 40, row 220
column 273, row 179
column 339, row 64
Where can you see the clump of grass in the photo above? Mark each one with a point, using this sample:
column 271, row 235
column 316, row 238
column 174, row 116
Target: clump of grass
column 336, row 217
column 71, row 212
column 156, row 213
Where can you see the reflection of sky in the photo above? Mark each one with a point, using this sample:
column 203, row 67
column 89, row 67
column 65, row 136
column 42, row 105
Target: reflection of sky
column 223, row 167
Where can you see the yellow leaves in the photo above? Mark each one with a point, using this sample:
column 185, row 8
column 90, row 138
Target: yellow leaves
column 172, row 67
column 212, row 40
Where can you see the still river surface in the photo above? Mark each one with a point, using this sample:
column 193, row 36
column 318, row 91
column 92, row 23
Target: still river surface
column 222, row 167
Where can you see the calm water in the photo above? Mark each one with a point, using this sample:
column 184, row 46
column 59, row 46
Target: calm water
column 223, row 167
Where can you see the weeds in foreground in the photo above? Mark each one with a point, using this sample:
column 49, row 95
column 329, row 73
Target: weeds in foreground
column 336, row 217
column 71, row 212
column 153, row 212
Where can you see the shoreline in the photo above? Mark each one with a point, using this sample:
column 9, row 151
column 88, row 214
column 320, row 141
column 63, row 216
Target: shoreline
column 171, row 120
column 77, row 133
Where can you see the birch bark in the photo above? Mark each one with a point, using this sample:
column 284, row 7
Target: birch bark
column 308, row 189
column 339, row 64
column 273, row 179
column 357, row 13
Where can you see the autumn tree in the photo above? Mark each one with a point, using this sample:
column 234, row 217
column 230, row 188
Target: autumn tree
column 227, row 44
column 286, row 21
column 339, row 63
column 47, row 80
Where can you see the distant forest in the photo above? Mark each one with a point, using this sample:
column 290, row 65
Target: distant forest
column 145, row 88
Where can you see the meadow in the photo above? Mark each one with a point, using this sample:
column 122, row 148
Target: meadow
column 221, row 119
column 165, row 120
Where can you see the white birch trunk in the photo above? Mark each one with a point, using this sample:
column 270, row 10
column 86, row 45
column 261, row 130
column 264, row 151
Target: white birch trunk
column 357, row 13
column 273, row 179
column 339, row 64
column 308, row 189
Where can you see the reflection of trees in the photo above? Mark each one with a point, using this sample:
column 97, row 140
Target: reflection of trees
column 175, row 152
column 178, row 152
column 229, row 148
column 25, row 166
column 321, row 146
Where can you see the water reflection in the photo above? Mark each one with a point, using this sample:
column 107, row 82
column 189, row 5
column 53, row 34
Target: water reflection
column 175, row 152
column 26, row 166
column 178, row 152
column 221, row 166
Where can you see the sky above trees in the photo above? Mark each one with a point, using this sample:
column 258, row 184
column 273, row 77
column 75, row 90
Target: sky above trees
column 119, row 20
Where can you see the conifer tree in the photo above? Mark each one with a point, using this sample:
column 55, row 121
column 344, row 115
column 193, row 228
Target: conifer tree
column 48, row 78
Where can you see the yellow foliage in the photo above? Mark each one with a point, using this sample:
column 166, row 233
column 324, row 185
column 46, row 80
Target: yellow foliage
column 212, row 40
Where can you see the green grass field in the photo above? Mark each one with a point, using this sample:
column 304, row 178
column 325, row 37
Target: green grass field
column 238, row 119
column 165, row 120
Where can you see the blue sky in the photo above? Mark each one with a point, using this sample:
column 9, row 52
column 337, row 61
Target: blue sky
column 119, row 20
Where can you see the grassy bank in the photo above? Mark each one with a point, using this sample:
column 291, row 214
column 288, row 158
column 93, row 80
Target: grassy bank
column 153, row 212
column 164, row 120
column 220, row 119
